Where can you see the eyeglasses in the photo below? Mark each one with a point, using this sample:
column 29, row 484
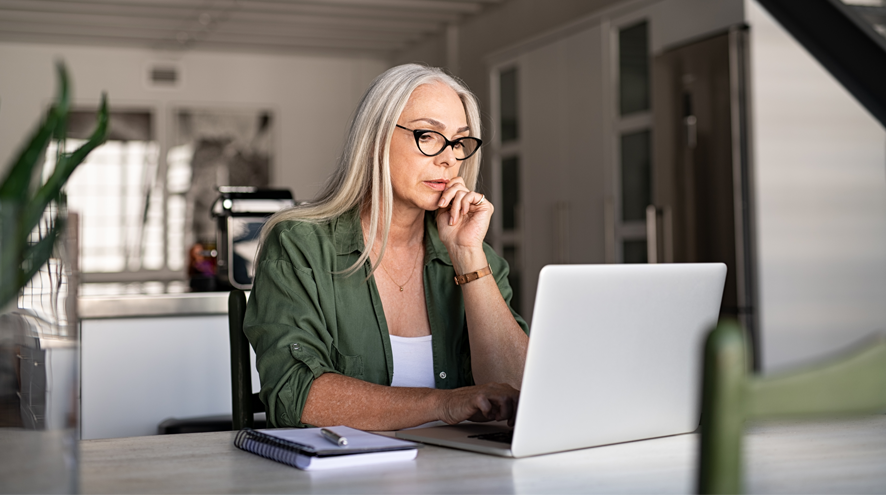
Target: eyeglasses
column 432, row 143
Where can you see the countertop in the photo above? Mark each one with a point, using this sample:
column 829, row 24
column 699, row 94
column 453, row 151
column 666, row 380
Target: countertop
column 142, row 305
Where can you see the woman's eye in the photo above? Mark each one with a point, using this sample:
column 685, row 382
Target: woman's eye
column 457, row 146
column 426, row 138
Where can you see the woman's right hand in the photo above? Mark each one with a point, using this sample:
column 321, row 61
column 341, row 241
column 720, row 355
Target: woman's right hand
column 487, row 402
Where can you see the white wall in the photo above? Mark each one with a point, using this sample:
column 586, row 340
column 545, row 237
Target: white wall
column 821, row 195
column 312, row 97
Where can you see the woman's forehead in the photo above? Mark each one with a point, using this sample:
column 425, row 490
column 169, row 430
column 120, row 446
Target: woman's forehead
column 436, row 104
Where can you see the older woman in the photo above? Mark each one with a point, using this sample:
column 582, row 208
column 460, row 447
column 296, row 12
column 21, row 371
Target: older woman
column 378, row 306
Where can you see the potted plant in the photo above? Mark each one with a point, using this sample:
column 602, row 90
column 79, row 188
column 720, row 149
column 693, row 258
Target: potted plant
column 39, row 371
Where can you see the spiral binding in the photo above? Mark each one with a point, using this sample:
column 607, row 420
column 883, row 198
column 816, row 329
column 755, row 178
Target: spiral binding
column 286, row 452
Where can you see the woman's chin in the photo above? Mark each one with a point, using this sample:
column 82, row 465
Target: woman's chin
column 431, row 203
column 425, row 203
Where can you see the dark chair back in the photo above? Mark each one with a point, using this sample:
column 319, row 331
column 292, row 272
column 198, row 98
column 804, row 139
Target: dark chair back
column 245, row 403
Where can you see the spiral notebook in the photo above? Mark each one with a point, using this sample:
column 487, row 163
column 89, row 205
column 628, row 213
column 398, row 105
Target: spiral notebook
column 305, row 448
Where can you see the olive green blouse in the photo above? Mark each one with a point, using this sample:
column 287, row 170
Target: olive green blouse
column 304, row 319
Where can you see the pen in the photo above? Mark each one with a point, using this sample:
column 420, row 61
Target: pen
column 334, row 437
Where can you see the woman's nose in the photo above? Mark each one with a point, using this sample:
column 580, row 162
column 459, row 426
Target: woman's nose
column 446, row 158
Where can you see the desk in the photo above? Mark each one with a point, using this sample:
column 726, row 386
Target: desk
column 846, row 456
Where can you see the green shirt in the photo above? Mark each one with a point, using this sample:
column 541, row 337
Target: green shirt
column 303, row 319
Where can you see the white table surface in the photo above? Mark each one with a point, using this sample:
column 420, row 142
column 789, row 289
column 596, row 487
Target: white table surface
column 841, row 456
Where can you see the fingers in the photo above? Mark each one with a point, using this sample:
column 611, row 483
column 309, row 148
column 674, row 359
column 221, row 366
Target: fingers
column 460, row 200
column 457, row 207
column 489, row 402
column 454, row 185
column 484, row 406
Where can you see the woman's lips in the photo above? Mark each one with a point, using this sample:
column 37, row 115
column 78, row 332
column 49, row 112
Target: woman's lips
column 437, row 185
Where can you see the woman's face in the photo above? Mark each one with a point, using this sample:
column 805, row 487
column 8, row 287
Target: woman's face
column 417, row 179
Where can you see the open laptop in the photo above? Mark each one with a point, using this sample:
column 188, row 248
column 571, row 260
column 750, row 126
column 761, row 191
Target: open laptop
column 614, row 355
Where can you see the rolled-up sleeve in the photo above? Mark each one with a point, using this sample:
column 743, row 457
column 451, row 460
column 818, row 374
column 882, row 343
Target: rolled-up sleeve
column 287, row 327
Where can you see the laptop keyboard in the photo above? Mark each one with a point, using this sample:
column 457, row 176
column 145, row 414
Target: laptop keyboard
column 500, row 436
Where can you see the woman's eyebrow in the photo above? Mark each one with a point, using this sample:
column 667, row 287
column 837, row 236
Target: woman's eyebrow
column 440, row 125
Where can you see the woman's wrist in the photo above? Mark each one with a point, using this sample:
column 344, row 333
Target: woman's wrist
column 439, row 398
column 468, row 260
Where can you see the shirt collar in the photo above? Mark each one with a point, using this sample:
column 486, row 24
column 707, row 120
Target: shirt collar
column 348, row 236
column 347, row 232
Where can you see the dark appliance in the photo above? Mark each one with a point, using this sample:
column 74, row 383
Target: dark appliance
column 241, row 212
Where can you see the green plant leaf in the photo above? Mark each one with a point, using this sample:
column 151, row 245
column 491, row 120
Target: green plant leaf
column 33, row 258
column 10, row 250
column 63, row 101
column 17, row 183
column 36, row 255
column 20, row 213
column 66, row 165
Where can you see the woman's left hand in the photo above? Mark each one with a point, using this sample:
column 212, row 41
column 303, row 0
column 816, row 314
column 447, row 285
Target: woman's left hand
column 463, row 217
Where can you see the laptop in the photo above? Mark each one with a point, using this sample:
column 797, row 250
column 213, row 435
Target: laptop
column 614, row 356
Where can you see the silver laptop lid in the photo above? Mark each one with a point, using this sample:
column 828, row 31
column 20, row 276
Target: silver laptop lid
column 615, row 354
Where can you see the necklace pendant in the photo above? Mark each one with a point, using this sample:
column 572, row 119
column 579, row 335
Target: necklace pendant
column 401, row 288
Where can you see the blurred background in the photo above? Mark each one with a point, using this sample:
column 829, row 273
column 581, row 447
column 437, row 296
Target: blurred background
column 618, row 131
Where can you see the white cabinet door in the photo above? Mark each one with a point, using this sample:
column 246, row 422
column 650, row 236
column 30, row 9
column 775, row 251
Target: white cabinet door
column 563, row 155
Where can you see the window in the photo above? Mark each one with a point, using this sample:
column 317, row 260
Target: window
column 634, row 148
column 139, row 213
column 119, row 199
column 508, row 105
column 506, row 228
column 633, row 68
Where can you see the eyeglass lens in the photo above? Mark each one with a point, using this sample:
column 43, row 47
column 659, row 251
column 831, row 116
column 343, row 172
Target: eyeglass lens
column 432, row 143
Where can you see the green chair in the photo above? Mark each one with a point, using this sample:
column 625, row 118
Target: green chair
column 854, row 383
column 245, row 403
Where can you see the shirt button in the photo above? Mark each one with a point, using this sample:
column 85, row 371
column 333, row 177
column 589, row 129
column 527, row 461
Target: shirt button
column 296, row 347
column 442, row 374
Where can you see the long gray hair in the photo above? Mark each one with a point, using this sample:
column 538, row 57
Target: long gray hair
column 364, row 173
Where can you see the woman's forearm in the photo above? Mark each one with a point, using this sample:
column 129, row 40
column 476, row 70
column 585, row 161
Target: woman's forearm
column 342, row 400
column 498, row 344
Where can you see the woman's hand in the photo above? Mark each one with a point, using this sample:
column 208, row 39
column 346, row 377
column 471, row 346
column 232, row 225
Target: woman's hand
column 461, row 221
column 488, row 402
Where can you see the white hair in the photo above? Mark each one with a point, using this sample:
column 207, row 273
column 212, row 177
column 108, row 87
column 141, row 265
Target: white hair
column 363, row 176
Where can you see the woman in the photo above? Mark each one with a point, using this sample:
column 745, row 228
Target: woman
column 356, row 292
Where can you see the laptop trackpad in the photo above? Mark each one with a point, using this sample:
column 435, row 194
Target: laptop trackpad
column 481, row 437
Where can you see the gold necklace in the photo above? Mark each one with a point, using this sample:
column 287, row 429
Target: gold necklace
column 411, row 274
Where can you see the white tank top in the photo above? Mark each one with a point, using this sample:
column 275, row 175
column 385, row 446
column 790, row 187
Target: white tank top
column 413, row 362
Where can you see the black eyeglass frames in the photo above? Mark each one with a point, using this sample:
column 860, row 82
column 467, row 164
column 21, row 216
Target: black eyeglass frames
column 432, row 143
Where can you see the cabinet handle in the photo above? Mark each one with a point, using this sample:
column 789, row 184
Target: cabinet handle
column 654, row 237
column 651, row 234
column 691, row 124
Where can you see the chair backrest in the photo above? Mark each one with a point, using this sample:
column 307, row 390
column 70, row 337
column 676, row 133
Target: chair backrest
column 245, row 403
column 853, row 383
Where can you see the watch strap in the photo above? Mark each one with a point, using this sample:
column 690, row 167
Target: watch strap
column 470, row 277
